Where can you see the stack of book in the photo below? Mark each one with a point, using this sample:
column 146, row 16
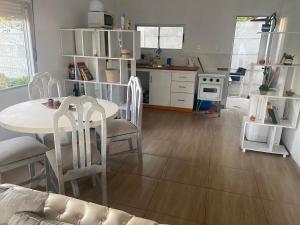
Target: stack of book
column 273, row 113
column 83, row 72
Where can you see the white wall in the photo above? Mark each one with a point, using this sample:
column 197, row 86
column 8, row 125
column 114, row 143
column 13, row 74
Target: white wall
column 291, row 9
column 49, row 16
column 209, row 23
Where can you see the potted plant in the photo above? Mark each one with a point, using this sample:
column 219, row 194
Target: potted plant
column 263, row 89
column 288, row 59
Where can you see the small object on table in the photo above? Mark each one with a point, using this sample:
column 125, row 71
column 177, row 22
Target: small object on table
column 252, row 118
column 50, row 102
column 56, row 104
column 290, row 93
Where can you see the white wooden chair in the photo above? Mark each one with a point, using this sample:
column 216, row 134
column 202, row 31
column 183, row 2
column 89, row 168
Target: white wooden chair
column 79, row 159
column 43, row 83
column 126, row 129
column 41, row 86
column 22, row 151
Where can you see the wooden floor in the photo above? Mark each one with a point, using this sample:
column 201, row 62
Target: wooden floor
column 195, row 173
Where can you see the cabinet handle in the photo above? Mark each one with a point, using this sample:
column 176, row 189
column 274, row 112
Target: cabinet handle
column 182, row 77
column 182, row 86
column 180, row 100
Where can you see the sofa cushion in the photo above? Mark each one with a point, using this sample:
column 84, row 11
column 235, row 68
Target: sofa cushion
column 27, row 218
column 16, row 199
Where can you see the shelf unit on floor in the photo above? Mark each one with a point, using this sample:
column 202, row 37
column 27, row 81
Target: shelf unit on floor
column 288, row 108
column 100, row 49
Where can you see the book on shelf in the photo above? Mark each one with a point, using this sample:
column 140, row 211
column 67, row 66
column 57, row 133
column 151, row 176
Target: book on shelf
column 272, row 113
column 83, row 72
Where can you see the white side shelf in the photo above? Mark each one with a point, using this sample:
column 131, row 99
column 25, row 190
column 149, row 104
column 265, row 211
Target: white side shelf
column 263, row 147
column 266, row 147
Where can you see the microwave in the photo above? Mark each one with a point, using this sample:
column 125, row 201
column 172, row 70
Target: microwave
column 100, row 20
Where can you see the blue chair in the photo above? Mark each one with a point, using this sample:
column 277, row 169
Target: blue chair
column 238, row 74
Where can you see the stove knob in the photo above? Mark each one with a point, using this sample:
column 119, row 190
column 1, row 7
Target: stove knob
column 204, row 79
column 218, row 80
column 211, row 80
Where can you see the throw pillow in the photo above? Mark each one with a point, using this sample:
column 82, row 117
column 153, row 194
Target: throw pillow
column 16, row 200
column 27, row 218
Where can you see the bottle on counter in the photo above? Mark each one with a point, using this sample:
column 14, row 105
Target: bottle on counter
column 81, row 89
column 75, row 90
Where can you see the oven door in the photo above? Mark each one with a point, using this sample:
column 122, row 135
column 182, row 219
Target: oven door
column 210, row 92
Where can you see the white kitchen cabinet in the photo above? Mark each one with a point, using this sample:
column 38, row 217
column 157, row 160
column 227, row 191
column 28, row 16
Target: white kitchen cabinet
column 160, row 88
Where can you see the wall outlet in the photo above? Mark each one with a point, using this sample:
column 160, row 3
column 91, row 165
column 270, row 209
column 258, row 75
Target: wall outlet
column 198, row 47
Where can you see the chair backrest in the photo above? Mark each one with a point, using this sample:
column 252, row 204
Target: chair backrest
column 81, row 122
column 134, row 101
column 241, row 71
column 43, row 83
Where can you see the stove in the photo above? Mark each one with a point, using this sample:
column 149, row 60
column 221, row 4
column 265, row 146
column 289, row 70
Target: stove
column 210, row 87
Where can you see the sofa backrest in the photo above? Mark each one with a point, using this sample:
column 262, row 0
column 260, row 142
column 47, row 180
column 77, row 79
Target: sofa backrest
column 74, row 211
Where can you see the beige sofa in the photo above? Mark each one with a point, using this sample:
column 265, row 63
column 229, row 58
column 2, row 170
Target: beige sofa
column 19, row 204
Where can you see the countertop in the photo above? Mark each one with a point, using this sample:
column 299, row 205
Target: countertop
column 179, row 68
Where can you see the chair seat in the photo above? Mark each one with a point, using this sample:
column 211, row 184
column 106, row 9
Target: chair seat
column 20, row 148
column 67, row 158
column 120, row 127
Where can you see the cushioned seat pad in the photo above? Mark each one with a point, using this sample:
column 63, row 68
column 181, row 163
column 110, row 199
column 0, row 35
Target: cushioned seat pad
column 67, row 157
column 120, row 127
column 20, row 148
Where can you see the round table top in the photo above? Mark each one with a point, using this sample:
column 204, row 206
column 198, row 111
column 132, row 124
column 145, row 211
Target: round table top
column 34, row 117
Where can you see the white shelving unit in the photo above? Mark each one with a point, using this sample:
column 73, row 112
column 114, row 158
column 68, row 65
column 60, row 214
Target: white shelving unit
column 286, row 76
column 288, row 108
column 262, row 134
column 100, row 49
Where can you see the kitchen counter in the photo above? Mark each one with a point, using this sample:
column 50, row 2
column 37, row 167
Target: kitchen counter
column 144, row 67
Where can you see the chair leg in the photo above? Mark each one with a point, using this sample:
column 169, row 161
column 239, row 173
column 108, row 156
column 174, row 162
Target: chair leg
column 104, row 188
column 75, row 188
column 130, row 143
column 0, row 178
column 107, row 159
column 139, row 146
column 61, row 186
column 31, row 169
column 47, row 174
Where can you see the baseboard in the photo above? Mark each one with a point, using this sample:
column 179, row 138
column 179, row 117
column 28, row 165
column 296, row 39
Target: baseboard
column 168, row 108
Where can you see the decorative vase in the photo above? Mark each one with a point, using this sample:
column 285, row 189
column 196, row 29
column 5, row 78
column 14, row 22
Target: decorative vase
column 288, row 62
column 263, row 92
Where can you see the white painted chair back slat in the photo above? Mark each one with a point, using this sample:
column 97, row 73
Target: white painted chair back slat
column 80, row 119
column 43, row 83
column 134, row 102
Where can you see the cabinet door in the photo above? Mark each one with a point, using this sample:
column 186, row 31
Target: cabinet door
column 160, row 88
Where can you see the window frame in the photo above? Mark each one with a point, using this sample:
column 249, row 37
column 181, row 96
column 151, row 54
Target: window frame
column 163, row 25
column 30, row 43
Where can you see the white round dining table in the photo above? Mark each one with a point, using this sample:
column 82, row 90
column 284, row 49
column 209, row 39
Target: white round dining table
column 36, row 118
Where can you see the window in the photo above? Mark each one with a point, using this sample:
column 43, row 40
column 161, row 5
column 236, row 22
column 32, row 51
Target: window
column 16, row 61
column 245, row 52
column 165, row 37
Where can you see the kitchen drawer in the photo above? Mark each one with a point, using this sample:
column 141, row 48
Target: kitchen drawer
column 185, row 87
column 182, row 100
column 180, row 76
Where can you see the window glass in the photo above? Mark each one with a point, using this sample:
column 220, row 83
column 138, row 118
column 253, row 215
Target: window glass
column 165, row 37
column 16, row 61
column 149, row 36
column 171, row 37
